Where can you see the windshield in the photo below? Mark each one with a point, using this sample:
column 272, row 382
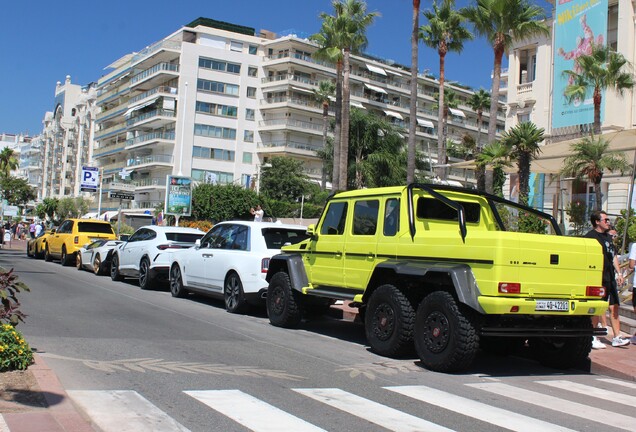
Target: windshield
column 275, row 238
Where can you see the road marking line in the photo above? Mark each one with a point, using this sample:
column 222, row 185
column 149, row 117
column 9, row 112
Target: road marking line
column 124, row 411
column 4, row 427
column 561, row 405
column 592, row 391
column 251, row 412
column 373, row 412
column 618, row 382
column 478, row 410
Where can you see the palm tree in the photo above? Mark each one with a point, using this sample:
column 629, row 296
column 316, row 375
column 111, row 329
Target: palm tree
column 589, row 159
column 444, row 32
column 330, row 51
column 323, row 95
column 410, row 164
column 8, row 161
column 479, row 101
column 523, row 143
column 600, row 70
column 450, row 101
column 497, row 156
column 502, row 22
column 352, row 21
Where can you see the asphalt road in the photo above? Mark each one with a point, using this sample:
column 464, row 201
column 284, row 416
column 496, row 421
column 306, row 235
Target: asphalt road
column 204, row 369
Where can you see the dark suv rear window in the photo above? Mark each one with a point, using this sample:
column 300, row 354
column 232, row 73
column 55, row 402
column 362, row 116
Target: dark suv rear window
column 183, row 237
column 94, row 227
column 277, row 237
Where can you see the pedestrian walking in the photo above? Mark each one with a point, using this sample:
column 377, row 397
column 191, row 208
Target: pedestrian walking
column 32, row 230
column 611, row 276
column 632, row 265
column 38, row 230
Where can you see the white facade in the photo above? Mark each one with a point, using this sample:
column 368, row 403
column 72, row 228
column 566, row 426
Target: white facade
column 530, row 98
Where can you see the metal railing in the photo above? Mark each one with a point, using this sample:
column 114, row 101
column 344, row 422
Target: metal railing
column 291, row 123
column 149, row 137
column 164, row 44
column 159, row 89
column 150, row 114
column 143, row 160
column 150, row 182
column 160, row 67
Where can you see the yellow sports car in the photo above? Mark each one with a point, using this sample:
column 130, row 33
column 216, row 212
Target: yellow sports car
column 37, row 246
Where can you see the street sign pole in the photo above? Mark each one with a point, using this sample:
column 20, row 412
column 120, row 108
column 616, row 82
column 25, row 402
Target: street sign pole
column 99, row 198
column 176, row 218
column 119, row 218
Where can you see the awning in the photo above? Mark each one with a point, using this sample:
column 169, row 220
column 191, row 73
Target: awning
column 107, row 216
column 393, row 114
column 425, row 123
column 456, row 112
column 376, row 69
column 138, row 107
column 394, row 72
column 356, row 104
column 303, row 90
column 375, row 89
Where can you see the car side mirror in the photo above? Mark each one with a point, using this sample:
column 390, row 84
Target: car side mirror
column 311, row 231
column 197, row 243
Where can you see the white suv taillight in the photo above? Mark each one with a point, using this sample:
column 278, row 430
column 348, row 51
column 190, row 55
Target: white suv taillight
column 264, row 265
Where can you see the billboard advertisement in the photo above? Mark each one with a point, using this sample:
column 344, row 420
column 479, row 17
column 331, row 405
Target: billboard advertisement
column 578, row 25
column 178, row 196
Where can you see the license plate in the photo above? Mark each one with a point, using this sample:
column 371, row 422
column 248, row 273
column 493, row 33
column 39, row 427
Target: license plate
column 552, row 305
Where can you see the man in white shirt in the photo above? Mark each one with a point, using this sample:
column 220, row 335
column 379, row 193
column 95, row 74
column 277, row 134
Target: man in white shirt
column 38, row 229
column 258, row 213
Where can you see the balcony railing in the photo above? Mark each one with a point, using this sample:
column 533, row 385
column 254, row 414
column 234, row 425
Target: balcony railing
column 113, row 130
column 144, row 160
column 160, row 67
column 150, row 137
column 291, row 144
column 148, row 204
column 292, row 100
column 150, row 182
column 150, row 114
column 104, row 151
column 166, row 44
column 299, row 57
column 291, row 123
column 159, row 89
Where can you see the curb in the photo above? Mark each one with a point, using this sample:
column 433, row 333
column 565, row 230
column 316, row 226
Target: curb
column 60, row 415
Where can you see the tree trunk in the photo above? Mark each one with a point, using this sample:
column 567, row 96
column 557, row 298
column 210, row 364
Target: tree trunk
column 335, row 172
column 441, row 125
column 494, row 102
column 524, row 177
column 480, row 171
column 325, row 128
column 597, row 111
column 344, row 132
column 410, row 159
column 597, row 194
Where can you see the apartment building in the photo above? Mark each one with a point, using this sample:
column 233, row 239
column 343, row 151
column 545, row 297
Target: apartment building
column 65, row 144
column 215, row 101
column 535, row 94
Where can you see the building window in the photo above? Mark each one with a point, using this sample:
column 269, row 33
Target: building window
column 217, row 87
column 248, row 136
column 253, row 49
column 523, row 117
column 249, row 114
column 212, row 153
column 215, row 109
column 219, row 65
column 251, row 92
column 214, row 131
column 252, row 71
column 214, row 177
column 236, row 46
column 247, row 158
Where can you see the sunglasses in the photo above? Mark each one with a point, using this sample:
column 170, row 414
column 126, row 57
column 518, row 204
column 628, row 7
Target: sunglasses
column 606, row 220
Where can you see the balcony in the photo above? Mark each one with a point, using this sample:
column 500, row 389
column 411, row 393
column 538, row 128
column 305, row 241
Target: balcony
column 301, row 57
column 159, row 69
column 111, row 113
column 283, row 101
column 148, row 204
column 292, row 124
column 150, row 183
column 150, row 138
column 108, row 150
column 110, row 132
column 291, row 144
column 157, row 90
column 151, row 160
column 164, row 45
column 525, row 93
column 155, row 118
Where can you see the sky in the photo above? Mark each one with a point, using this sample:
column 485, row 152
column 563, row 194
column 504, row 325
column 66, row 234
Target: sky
column 41, row 42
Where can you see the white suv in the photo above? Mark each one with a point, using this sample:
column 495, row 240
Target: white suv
column 145, row 256
column 231, row 261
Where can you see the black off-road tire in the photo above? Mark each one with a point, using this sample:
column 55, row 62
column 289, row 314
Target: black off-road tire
column 65, row 258
column 283, row 302
column 176, row 282
column 47, row 255
column 146, row 282
column 445, row 338
column 389, row 322
column 563, row 353
column 233, row 294
column 114, row 269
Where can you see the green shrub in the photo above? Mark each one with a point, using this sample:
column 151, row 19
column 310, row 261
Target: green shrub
column 15, row 353
column 9, row 289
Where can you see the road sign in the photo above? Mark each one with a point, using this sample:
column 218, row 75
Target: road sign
column 90, row 179
column 125, row 187
column 121, row 195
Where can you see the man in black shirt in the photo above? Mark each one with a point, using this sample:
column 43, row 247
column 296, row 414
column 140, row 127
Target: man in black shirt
column 611, row 273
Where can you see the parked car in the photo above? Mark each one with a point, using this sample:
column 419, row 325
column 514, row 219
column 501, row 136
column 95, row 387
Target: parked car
column 37, row 246
column 144, row 255
column 72, row 235
column 231, row 262
column 96, row 256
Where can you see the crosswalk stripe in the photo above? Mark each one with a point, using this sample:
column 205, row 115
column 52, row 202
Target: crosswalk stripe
column 124, row 411
column 3, row 425
column 251, row 412
column 371, row 411
column 591, row 391
column 481, row 411
column 618, row 382
column 561, row 405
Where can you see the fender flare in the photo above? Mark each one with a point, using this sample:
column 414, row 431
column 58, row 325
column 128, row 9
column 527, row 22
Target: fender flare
column 292, row 264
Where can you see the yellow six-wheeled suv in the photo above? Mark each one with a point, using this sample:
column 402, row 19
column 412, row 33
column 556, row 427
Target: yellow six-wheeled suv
column 448, row 269
column 72, row 234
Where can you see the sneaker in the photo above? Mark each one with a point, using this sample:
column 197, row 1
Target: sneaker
column 597, row 344
column 619, row 342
